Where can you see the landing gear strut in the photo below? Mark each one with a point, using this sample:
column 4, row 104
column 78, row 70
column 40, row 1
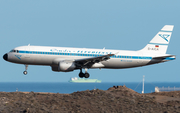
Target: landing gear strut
column 25, row 72
column 86, row 74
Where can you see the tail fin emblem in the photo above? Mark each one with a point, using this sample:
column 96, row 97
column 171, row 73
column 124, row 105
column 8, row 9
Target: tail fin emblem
column 164, row 36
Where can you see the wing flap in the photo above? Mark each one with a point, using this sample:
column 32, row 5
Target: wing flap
column 88, row 62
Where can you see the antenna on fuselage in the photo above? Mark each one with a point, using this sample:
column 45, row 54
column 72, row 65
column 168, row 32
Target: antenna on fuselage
column 104, row 48
column 28, row 44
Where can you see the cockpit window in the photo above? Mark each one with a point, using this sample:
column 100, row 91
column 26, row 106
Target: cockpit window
column 16, row 51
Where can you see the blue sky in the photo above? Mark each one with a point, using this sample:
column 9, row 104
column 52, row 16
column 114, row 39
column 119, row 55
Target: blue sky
column 117, row 24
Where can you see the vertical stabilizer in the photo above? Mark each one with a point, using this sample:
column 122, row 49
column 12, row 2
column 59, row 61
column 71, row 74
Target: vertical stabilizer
column 159, row 43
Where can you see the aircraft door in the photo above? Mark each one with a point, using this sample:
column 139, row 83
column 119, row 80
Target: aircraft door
column 140, row 58
column 27, row 55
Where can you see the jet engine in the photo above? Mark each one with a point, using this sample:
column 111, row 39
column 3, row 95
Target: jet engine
column 64, row 66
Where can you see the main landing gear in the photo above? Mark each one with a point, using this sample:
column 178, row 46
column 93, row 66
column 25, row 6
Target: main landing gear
column 86, row 74
column 25, row 72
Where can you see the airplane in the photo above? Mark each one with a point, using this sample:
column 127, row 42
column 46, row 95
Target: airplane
column 66, row 59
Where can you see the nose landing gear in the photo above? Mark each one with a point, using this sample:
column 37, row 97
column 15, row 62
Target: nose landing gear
column 25, row 72
column 86, row 74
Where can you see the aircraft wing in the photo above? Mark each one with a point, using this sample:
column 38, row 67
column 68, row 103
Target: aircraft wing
column 88, row 62
column 164, row 57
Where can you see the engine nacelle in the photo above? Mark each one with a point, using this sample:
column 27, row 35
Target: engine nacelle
column 64, row 66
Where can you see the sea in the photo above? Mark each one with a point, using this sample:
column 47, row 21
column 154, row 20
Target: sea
column 68, row 88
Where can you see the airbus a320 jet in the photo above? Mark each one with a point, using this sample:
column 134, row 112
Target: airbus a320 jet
column 65, row 59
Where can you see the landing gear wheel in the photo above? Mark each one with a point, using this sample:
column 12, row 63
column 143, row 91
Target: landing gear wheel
column 25, row 72
column 81, row 75
column 86, row 75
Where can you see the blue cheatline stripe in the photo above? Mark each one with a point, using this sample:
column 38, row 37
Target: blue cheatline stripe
column 158, row 44
column 91, row 55
column 165, row 31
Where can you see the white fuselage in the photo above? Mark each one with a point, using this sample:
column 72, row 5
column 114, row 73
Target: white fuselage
column 51, row 56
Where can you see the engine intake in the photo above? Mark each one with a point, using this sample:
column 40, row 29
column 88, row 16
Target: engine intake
column 64, row 66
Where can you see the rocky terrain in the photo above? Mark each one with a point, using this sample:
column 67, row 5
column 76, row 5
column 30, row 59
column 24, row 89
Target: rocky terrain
column 117, row 99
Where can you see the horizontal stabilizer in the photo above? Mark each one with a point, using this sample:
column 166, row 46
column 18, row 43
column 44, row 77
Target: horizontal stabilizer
column 164, row 57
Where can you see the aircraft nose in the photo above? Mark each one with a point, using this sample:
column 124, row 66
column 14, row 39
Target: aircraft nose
column 5, row 57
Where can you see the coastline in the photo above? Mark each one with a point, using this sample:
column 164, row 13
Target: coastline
column 115, row 99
